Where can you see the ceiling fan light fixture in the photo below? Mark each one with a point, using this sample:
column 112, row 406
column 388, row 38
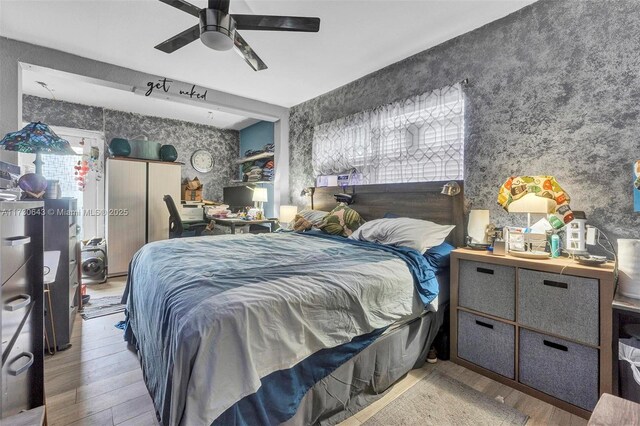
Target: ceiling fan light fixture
column 216, row 29
column 216, row 40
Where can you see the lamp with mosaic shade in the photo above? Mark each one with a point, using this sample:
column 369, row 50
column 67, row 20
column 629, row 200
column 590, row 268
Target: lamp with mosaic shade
column 35, row 138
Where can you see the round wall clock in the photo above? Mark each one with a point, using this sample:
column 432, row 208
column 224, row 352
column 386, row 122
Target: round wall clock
column 202, row 161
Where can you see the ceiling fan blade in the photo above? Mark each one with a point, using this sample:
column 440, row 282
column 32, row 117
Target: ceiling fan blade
column 277, row 23
column 221, row 5
column 180, row 40
column 248, row 54
column 184, row 6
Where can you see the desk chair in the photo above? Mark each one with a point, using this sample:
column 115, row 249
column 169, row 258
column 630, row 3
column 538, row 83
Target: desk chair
column 178, row 228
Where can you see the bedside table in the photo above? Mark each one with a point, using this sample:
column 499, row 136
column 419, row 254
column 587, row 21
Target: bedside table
column 543, row 327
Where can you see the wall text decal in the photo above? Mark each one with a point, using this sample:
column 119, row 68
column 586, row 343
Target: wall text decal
column 164, row 84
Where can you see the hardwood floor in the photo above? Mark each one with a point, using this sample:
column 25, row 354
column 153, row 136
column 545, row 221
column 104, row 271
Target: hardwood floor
column 98, row 381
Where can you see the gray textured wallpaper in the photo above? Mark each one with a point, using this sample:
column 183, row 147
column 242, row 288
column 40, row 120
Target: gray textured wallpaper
column 185, row 136
column 554, row 89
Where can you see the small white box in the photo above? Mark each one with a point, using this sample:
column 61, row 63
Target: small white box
column 191, row 212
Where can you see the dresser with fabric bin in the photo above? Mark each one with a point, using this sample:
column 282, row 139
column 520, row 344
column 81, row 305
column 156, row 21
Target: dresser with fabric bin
column 543, row 327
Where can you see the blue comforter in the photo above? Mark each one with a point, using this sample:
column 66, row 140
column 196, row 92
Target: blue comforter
column 221, row 337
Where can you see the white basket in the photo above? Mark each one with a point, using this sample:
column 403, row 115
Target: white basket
column 629, row 267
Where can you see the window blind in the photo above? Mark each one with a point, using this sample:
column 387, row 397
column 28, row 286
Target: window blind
column 418, row 139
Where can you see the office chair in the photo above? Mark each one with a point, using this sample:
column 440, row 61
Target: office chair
column 178, row 228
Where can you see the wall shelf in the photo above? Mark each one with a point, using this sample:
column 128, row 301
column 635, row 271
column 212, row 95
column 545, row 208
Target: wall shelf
column 251, row 183
column 254, row 157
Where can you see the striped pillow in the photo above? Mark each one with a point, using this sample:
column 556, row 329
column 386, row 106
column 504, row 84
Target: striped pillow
column 342, row 221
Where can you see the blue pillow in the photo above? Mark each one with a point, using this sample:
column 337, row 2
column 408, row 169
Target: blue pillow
column 438, row 256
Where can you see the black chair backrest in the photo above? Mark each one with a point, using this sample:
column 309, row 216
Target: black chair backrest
column 175, row 223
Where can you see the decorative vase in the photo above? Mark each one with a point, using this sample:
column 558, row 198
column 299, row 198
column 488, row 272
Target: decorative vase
column 119, row 147
column 168, row 153
column 629, row 267
column 33, row 185
column 145, row 150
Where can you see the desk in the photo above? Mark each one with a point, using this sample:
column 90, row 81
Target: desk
column 241, row 222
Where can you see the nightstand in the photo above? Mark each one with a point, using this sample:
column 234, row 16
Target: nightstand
column 543, row 327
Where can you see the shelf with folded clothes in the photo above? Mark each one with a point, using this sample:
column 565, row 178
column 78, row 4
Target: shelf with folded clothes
column 252, row 183
column 255, row 157
column 260, row 170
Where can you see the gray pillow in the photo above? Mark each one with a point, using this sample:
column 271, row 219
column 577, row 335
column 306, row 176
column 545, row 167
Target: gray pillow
column 417, row 234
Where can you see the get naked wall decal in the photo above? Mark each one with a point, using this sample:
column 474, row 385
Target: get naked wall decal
column 164, row 84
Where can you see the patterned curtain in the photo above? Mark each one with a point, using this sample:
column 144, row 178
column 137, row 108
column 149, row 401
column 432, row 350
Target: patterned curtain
column 419, row 139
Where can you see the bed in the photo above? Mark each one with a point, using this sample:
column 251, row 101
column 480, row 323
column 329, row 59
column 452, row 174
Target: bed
column 310, row 330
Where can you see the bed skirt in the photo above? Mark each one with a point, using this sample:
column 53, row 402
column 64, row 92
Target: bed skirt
column 365, row 378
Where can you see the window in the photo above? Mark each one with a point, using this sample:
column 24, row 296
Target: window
column 416, row 140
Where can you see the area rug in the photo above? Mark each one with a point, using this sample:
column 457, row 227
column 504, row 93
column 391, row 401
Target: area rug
column 438, row 399
column 102, row 306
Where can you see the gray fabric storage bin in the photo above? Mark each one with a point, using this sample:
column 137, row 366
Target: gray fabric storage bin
column 560, row 304
column 487, row 288
column 487, row 343
column 629, row 387
column 566, row 370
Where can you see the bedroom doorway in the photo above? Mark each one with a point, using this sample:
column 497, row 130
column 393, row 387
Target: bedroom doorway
column 89, row 147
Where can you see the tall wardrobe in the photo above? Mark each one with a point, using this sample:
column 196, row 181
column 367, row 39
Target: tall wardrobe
column 136, row 210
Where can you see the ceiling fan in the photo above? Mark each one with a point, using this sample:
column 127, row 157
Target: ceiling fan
column 218, row 29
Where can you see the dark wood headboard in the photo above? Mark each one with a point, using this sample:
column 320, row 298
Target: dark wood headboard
column 420, row 200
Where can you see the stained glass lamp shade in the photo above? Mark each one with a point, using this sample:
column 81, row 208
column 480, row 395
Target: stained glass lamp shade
column 36, row 138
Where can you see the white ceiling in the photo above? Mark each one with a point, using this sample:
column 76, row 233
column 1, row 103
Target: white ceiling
column 67, row 88
column 356, row 38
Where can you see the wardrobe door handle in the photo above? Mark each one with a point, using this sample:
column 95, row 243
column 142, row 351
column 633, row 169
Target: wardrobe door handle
column 485, row 271
column 18, row 371
column 16, row 241
column 556, row 346
column 557, row 284
column 12, row 307
column 484, row 324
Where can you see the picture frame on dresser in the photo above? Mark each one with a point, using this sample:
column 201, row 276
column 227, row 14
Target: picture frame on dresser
column 543, row 327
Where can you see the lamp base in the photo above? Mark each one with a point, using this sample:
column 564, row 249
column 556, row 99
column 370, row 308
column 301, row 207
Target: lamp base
column 38, row 163
column 32, row 185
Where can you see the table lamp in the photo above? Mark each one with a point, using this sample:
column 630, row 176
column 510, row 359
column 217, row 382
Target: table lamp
column 259, row 198
column 532, row 204
column 536, row 194
column 287, row 215
column 35, row 138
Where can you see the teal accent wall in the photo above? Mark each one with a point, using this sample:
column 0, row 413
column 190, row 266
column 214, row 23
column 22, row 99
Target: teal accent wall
column 255, row 137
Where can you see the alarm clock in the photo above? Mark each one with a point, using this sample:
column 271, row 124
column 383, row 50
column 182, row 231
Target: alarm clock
column 202, row 161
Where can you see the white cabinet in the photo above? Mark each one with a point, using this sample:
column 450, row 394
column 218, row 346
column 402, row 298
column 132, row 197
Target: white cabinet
column 162, row 179
column 136, row 211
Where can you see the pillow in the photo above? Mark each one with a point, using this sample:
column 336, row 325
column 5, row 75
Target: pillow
column 413, row 233
column 313, row 216
column 342, row 220
column 307, row 219
column 438, row 256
